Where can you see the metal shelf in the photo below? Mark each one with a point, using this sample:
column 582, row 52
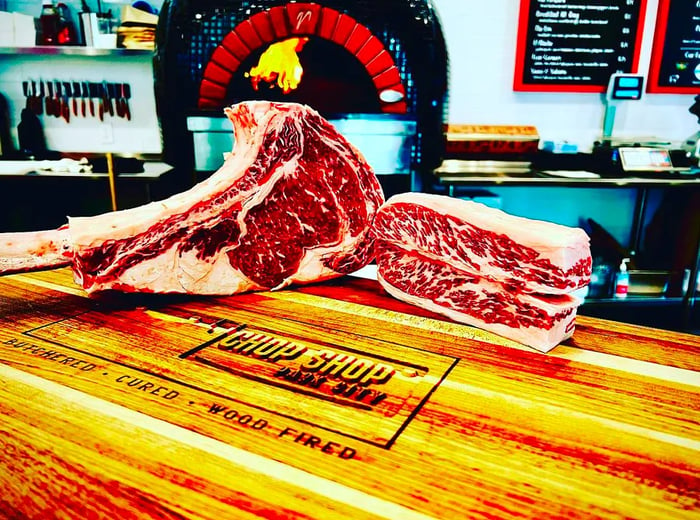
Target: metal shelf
column 537, row 179
column 152, row 170
column 641, row 300
column 72, row 50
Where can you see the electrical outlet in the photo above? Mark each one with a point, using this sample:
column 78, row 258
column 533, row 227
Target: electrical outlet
column 106, row 133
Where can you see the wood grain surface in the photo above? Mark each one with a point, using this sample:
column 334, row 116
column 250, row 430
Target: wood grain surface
column 332, row 401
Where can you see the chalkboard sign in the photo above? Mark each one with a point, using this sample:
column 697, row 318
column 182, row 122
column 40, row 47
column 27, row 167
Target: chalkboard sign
column 575, row 45
column 675, row 57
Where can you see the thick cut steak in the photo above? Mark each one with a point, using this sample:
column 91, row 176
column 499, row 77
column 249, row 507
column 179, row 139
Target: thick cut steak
column 292, row 203
column 480, row 266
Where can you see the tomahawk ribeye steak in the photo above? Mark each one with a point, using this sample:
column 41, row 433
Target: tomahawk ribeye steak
column 478, row 265
column 292, row 203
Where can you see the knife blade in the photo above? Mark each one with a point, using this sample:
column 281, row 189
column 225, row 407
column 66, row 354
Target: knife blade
column 107, row 98
column 35, row 99
column 87, row 93
column 100, row 102
column 25, row 91
column 49, row 99
column 67, row 95
column 76, row 95
column 119, row 99
column 40, row 99
column 83, row 102
column 58, row 107
column 127, row 96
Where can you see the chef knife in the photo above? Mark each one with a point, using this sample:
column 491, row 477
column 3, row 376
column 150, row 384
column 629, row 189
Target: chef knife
column 87, row 94
column 107, row 98
column 119, row 99
column 65, row 102
column 95, row 99
column 25, row 91
column 95, row 89
column 40, row 99
column 57, row 106
column 115, row 95
column 127, row 96
column 35, row 98
column 29, row 96
column 67, row 95
column 49, row 99
column 76, row 95
column 119, row 87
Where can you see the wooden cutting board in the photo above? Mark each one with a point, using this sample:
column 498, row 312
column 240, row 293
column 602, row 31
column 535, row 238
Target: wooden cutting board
column 331, row 401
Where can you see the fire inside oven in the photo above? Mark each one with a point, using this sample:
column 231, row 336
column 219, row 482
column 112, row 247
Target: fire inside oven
column 306, row 70
column 377, row 70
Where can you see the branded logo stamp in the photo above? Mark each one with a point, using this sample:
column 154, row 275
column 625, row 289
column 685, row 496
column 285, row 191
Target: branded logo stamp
column 355, row 389
column 351, row 384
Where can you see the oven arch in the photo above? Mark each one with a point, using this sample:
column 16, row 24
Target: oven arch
column 302, row 19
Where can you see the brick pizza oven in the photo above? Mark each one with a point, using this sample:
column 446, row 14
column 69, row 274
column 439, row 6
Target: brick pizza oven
column 376, row 68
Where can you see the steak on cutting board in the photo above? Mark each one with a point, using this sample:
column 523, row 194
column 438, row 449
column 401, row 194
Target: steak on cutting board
column 292, row 203
column 478, row 265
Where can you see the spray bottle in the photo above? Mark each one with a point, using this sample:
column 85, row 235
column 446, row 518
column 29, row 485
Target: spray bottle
column 622, row 281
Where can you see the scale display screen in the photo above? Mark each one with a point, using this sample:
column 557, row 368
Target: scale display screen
column 645, row 159
column 626, row 87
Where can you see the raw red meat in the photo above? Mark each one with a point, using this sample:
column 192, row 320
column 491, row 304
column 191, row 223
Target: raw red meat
column 293, row 203
column 478, row 265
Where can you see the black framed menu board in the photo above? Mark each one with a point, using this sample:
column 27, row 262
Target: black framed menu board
column 575, row 45
column 675, row 55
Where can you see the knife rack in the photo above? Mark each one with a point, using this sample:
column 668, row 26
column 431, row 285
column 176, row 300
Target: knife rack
column 69, row 99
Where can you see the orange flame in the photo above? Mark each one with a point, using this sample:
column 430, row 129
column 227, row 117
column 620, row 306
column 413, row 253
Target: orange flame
column 280, row 65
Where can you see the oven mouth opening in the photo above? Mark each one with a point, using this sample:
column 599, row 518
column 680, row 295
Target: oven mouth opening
column 333, row 81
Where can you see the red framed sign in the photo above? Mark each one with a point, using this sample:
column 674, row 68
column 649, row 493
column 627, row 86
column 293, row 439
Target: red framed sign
column 575, row 45
column 675, row 54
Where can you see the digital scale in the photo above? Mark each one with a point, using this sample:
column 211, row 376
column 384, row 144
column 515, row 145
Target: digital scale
column 622, row 87
column 637, row 157
column 644, row 159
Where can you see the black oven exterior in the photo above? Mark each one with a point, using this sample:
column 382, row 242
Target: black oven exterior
column 204, row 47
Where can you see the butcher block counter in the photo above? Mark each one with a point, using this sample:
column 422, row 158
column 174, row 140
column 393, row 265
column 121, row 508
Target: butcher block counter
column 331, row 401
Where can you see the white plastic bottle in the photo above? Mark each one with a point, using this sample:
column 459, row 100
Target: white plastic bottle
column 622, row 280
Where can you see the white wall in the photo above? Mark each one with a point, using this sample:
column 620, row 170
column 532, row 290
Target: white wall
column 481, row 38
